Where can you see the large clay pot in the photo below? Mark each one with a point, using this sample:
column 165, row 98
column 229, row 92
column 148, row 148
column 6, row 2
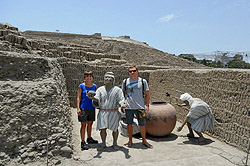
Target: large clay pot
column 161, row 119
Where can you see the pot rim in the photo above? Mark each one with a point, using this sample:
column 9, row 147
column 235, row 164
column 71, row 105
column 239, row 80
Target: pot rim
column 158, row 102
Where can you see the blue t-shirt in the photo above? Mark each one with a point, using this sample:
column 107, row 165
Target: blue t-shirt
column 86, row 103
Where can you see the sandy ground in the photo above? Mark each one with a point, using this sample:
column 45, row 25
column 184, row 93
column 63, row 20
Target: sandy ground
column 175, row 150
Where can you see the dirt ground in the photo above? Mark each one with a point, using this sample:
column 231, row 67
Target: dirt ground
column 175, row 149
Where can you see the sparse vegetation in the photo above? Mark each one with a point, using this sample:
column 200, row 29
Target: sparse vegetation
column 235, row 63
column 238, row 64
column 188, row 57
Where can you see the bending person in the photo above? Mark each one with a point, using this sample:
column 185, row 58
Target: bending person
column 200, row 117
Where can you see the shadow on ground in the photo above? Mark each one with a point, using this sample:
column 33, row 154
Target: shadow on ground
column 170, row 137
column 110, row 149
column 197, row 141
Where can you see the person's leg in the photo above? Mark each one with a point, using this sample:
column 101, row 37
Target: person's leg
column 129, row 121
column 89, row 128
column 90, row 119
column 103, row 135
column 199, row 134
column 201, row 138
column 115, row 137
column 143, row 133
column 130, row 132
column 90, row 140
column 142, row 124
column 82, row 133
column 83, row 119
column 191, row 133
column 82, row 130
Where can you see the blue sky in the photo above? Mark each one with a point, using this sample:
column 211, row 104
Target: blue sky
column 173, row 26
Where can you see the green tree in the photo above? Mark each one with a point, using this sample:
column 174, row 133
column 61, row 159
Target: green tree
column 238, row 64
column 204, row 62
column 219, row 64
column 215, row 64
column 188, row 57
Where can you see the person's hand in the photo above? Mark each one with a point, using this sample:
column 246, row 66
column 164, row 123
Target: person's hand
column 123, row 105
column 79, row 112
column 147, row 108
column 179, row 129
column 122, row 109
column 178, row 104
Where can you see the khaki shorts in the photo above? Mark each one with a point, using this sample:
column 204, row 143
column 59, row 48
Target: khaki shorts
column 130, row 115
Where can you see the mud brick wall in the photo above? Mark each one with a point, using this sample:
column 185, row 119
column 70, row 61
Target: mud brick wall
column 61, row 35
column 31, row 89
column 89, row 56
column 226, row 91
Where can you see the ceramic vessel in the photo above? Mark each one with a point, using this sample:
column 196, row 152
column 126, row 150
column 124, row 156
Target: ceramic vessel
column 161, row 119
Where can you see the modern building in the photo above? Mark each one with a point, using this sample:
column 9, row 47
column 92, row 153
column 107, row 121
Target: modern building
column 224, row 59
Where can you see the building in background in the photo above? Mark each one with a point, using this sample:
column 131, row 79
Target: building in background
column 224, row 59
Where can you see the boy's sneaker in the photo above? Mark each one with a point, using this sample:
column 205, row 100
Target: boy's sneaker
column 84, row 146
column 91, row 141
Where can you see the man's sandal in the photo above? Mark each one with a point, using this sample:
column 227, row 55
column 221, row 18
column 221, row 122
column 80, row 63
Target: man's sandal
column 148, row 145
column 129, row 144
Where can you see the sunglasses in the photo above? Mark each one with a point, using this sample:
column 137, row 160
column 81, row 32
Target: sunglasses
column 132, row 71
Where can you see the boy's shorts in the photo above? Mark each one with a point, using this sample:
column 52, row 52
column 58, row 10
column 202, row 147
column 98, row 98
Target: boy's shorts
column 130, row 116
column 86, row 115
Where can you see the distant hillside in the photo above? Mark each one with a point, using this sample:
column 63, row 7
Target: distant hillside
column 89, row 47
column 134, row 52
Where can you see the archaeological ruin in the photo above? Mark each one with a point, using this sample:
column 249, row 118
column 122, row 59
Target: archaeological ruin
column 40, row 73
